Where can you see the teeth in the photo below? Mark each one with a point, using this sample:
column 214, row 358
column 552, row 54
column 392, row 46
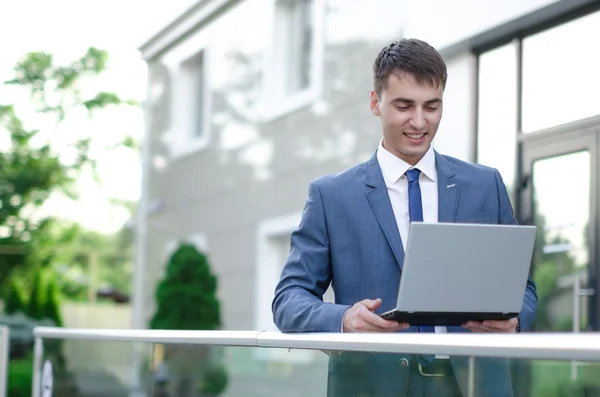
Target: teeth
column 415, row 136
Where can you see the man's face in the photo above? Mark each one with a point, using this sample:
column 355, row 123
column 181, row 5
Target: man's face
column 410, row 115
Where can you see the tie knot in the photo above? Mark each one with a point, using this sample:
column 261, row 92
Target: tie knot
column 413, row 174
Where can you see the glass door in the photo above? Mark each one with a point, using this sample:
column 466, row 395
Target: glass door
column 559, row 196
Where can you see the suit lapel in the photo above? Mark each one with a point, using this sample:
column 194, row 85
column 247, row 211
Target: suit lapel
column 448, row 190
column 382, row 207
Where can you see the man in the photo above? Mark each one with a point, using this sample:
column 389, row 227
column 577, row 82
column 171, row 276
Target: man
column 355, row 226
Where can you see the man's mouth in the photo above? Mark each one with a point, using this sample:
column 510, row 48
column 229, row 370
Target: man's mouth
column 415, row 137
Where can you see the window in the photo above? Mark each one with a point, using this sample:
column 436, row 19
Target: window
column 497, row 117
column 560, row 69
column 556, row 85
column 190, row 105
column 295, row 25
column 293, row 66
column 193, row 72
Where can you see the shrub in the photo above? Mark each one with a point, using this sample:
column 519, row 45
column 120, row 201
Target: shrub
column 14, row 302
column 214, row 382
column 44, row 303
column 186, row 297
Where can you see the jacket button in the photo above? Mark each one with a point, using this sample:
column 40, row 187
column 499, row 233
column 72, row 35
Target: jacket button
column 404, row 363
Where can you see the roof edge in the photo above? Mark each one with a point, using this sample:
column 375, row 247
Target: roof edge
column 198, row 14
column 529, row 23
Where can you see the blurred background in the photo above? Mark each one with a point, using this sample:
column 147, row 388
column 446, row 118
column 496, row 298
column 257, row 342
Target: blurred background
column 155, row 156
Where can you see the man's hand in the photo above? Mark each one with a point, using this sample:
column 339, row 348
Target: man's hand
column 360, row 318
column 492, row 326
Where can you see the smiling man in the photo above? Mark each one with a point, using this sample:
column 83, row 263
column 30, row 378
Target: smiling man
column 354, row 230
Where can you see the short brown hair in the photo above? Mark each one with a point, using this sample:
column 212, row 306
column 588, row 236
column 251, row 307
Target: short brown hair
column 411, row 56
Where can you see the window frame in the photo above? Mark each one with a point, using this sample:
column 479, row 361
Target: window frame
column 274, row 103
column 183, row 138
column 503, row 35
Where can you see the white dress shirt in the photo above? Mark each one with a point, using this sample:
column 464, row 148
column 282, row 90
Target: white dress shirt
column 393, row 169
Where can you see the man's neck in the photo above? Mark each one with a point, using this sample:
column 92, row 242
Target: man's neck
column 411, row 160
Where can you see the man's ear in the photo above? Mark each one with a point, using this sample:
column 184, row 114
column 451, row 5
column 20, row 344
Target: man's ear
column 374, row 103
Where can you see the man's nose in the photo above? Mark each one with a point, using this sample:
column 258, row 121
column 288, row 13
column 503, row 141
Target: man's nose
column 418, row 120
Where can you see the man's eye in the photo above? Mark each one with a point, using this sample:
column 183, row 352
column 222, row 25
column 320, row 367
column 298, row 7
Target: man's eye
column 432, row 108
column 403, row 108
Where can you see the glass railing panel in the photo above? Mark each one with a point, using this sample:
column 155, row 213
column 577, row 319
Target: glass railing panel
column 91, row 368
column 553, row 378
column 193, row 370
column 184, row 370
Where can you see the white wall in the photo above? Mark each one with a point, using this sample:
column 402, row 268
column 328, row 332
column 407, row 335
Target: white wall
column 456, row 135
column 443, row 23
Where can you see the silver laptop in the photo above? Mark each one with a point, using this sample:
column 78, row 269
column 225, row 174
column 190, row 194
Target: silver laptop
column 454, row 273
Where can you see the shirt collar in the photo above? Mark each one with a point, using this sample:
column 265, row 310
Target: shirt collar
column 393, row 167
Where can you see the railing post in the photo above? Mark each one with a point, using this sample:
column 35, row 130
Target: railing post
column 38, row 355
column 471, row 391
column 136, row 385
column 4, row 357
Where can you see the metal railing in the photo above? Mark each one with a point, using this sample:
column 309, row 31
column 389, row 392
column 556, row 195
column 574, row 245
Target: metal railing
column 4, row 356
column 548, row 346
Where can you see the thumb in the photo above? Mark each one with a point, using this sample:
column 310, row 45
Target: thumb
column 372, row 304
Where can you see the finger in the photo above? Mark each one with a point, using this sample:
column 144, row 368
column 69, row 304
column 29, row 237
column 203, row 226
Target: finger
column 378, row 322
column 476, row 330
column 480, row 329
column 364, row 326
column 477, row 326
column 483, row 328
column 501, row 324
column 372, row 304
column 490, row 329
column 493, row 329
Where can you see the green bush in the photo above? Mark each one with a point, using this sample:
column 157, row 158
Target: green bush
column 14, row 302
column 186, row 297
column 214, row 382
column 51, row 308
column 20, row 377
column 44, row 302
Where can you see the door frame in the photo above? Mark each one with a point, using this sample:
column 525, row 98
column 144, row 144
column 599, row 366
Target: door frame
column 541, row 146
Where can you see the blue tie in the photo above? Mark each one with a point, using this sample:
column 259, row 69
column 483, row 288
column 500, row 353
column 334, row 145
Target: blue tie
column 415, row 211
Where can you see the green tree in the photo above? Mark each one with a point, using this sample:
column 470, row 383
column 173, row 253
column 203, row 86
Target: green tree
column 186, row 297
column 52, row 304
column 14, row 301
column 38, row 159
column 37, row 300
column 44, row 303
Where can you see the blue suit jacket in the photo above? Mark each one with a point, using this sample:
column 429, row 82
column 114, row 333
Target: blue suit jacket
column 348, row 237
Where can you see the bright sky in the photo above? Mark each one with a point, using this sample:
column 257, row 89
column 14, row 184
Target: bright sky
column 67, row 28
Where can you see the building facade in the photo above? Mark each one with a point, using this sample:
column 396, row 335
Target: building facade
column 250, row 100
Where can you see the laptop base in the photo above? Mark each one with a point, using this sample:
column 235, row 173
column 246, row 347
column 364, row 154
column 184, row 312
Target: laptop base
column 443, row 318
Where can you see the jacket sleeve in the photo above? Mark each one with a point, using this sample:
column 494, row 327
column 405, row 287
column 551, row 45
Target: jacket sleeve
column 530, row 301
column 298, row 302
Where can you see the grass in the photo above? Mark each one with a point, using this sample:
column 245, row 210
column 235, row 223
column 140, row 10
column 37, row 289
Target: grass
column 20, row 375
